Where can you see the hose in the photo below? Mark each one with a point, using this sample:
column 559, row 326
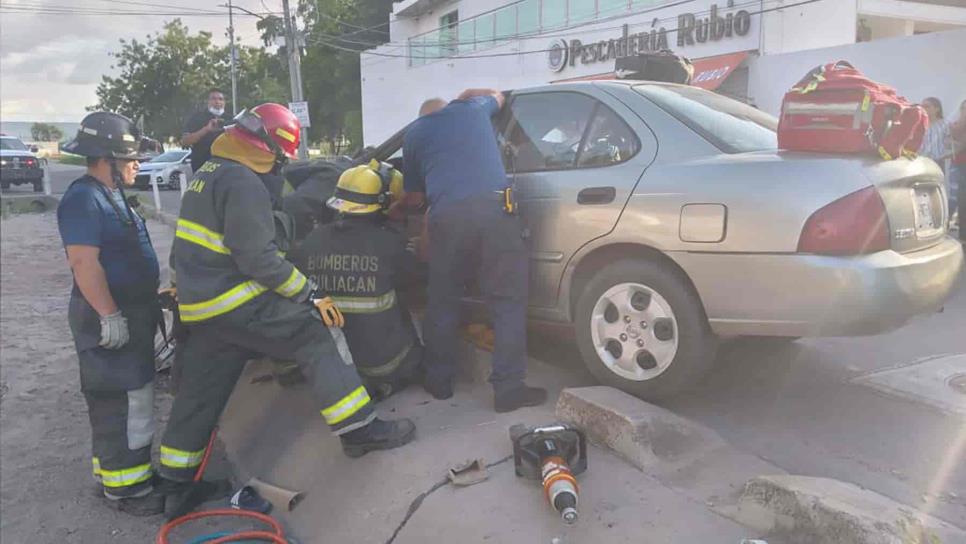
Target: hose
column 277, row 537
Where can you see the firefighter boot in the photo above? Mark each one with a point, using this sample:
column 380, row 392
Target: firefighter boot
column 518, row 397
column 378, row 435
column 149, row 504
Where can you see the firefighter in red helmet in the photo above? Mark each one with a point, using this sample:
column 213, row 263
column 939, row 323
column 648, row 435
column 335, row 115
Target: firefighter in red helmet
column 239, row 299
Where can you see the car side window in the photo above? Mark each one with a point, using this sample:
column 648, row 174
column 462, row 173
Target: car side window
column 544, row 130
column 609, row 140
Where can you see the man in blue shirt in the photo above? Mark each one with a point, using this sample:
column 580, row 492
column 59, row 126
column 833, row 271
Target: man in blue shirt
column 451, row 159
column 113, row 312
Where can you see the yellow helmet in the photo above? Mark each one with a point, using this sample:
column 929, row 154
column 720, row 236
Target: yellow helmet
column 367, row 188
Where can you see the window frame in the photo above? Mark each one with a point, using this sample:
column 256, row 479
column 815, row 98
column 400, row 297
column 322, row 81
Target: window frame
column 507, row 116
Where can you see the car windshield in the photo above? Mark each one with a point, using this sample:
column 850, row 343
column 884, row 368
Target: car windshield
column 12, row 144
column 170, row 156
column 730, row 125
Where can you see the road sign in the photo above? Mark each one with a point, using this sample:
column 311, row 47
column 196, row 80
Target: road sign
column 301, row 110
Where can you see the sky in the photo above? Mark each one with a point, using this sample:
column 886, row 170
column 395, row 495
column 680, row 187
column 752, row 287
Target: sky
column 50, row 64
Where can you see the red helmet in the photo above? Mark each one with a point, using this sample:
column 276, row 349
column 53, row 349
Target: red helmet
column 271, row 127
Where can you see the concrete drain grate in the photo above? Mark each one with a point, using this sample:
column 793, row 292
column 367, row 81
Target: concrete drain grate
column 958, row 383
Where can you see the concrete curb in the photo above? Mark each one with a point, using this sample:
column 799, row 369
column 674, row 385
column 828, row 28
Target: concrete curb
column 826, row 511
column 150, row 212
column 646, row 435
column 33, row 203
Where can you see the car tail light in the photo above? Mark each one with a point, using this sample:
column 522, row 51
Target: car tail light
column 30, row 162
column 852, row 225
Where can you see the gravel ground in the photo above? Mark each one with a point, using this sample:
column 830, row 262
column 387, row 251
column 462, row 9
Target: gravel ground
column 47, row 494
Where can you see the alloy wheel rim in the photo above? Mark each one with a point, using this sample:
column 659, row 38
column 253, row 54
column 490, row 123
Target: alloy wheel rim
column 634, row 331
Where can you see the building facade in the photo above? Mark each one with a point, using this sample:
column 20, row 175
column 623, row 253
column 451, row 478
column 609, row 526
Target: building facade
column 752, row 50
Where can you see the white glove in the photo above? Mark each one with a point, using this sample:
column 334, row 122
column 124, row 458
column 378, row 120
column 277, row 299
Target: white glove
column 114, row 331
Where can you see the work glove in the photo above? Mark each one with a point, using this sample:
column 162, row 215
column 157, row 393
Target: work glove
column 325, row 306
column 327, row 309
column 168, row 298
column 114, row 331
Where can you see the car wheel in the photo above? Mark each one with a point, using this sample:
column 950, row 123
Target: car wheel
column 174, row 182
column 641, row 328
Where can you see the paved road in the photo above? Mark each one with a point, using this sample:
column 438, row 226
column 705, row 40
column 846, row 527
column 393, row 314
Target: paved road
column 61, row 176
column 796, row 406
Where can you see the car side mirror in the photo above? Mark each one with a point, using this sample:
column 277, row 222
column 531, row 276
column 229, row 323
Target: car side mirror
column 34, row 149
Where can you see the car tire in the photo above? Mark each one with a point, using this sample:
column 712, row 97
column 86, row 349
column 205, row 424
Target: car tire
column 174, row 181
column 672, row 313
column 38, row 185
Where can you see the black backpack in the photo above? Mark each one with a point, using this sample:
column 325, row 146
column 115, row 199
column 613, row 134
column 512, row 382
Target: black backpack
column 661, row 65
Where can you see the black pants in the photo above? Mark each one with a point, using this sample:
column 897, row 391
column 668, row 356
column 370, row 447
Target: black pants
column 474, row 238
column 118, row 386
column 215, row 354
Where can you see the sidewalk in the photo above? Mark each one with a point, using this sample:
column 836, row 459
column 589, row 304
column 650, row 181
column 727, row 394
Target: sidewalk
column 46, row 490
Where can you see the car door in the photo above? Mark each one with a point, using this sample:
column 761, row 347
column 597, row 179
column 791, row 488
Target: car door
column 574, row 159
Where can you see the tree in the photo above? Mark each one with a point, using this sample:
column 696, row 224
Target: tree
column 45, row 132
column 165, row 78
column 330, row 74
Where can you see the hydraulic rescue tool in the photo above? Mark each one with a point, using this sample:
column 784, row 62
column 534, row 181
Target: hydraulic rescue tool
column 553, row 454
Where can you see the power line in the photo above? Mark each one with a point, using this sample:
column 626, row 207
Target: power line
column 54, row 9
column 350, row 25
column 528, row 52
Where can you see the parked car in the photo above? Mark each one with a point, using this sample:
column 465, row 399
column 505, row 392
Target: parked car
column 170, row 169
column 19, row 165
column 663, row 217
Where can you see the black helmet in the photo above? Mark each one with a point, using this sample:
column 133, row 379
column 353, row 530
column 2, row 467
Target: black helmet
column 108, row 135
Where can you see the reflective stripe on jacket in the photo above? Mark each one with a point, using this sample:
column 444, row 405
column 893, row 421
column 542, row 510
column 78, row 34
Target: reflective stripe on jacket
column 360, row 262
column 224, row 252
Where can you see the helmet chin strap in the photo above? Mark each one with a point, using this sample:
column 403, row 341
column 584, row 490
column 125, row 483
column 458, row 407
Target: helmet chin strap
column 119, row 185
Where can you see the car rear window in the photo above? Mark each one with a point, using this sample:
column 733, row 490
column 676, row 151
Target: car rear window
column 12, row 144
column 730, row 125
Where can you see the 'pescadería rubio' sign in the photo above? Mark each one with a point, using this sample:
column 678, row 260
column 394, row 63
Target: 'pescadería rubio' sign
column 691, row 29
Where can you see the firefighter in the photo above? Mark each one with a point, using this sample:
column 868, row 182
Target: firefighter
column 451, row 159
column 361, row 260
column 240, row 299
column 113, row 312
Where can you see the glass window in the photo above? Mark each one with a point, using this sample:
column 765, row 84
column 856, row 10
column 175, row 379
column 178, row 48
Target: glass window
column 484, row 31
column 645, row 3
column 430, row 47
column 506, row 22
column 466, row 35
column 582, row 10
column 447, row 33
column 730, row 125
column 528, row 16
column 169, row 156
column 545, row 129
column 610, row 8
column 12, row 144
column 553, row 14
column 609, row 140
column 416, row 54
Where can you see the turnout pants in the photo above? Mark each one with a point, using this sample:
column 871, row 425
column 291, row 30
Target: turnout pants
column 215, row 355
column 476, row 238
column 118, row 386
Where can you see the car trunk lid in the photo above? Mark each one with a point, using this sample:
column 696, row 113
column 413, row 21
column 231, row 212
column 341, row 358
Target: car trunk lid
column 915, row 201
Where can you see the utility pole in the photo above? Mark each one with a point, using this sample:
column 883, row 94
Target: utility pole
column 231, row 51
column 294, row 71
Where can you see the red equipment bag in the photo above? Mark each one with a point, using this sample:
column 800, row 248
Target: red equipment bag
column 836, row 109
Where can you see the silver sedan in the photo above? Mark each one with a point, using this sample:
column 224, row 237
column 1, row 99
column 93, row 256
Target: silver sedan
column 663, row 217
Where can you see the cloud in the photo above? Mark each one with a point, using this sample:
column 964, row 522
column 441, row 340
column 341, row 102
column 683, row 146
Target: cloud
column 50, row 65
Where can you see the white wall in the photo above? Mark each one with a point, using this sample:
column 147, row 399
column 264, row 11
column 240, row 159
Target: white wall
column 822, row 24
column 392, row 90
column 917, row 66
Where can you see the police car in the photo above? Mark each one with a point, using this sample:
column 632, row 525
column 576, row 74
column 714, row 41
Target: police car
column 19, row 165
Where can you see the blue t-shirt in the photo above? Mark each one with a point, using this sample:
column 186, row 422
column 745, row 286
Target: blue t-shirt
column 452, row 154
column 86, row 217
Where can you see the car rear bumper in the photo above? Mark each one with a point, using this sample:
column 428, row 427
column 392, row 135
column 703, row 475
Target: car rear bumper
column 21, row 174
column 812, row 295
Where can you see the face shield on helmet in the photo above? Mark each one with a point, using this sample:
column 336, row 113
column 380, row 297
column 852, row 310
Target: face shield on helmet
column 270, row 127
